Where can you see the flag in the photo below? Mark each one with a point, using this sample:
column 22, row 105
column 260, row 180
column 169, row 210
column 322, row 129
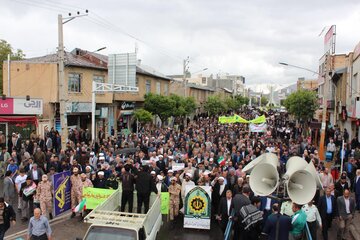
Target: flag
column 80, row 207
column 221, row 161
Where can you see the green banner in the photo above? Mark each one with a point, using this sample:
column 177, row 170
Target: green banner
column 238, row 119
column 95, row 196
column 165, row 201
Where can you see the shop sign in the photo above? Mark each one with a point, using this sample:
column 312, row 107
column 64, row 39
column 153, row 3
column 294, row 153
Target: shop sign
column 127, row 105
column 78, row 107
column 21, row 106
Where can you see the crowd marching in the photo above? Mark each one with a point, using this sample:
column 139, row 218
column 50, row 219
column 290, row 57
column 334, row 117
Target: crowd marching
column 214, row 155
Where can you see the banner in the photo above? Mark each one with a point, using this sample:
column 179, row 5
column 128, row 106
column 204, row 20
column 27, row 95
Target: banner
column 165, row 201
column 177, row 166
column 96, row 196
column 258, row 127
column 62, row 190
column 239, row 119
column 197, row 207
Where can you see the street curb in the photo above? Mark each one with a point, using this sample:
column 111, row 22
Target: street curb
column 354, row 232
column 53, row 221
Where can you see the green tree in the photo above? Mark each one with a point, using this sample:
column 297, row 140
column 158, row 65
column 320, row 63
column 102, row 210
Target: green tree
column 302, row 104
column 5, row 49
column 143, row 116
column 264, row 101
column 242, row 100
column 214, row 105
column 162, row 106
column 232, row 103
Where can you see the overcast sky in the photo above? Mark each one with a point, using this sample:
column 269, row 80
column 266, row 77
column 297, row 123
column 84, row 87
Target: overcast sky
column 248, row 38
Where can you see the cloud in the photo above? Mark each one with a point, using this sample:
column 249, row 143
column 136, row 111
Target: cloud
column 239, row 37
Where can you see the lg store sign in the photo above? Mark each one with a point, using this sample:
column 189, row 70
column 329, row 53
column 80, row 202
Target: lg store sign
column 20, row 106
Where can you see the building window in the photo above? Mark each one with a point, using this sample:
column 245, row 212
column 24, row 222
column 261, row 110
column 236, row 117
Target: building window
column 148, row 86
column 74, row 84
column 203, row 80
column 98, row 78
column 166, row 89
column 158, row 88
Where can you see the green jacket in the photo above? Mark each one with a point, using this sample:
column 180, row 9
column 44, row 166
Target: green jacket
column 298, row 221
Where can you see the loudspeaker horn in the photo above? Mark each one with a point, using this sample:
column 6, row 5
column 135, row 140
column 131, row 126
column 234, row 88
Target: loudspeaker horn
column 294, row 164
column 258, row 160
column 311, row 169
column 301, row 187
column 264, row 177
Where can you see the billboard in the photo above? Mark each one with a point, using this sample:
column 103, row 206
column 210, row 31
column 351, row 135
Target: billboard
column 122, row 69
column 329, row 40
column 21, row 106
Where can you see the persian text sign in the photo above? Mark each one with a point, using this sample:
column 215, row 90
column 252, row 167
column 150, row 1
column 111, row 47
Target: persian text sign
column 95, row 196
column 165, row 201
column 197, row 207
column 32, row 106
column 62, row 191
column 258, row 127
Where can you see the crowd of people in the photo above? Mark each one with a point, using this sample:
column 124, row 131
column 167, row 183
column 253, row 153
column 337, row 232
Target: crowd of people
column 213, row 155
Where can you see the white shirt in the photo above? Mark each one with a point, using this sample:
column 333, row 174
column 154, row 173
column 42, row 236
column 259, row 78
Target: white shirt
column 312, row 213
column 35, row 175
column 228, row 202
column 347, row 205
column 268, row 204
column 20, row 180
column 222, row 187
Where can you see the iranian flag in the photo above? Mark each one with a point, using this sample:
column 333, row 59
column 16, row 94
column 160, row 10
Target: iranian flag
column 221, row 161
column 80, row 207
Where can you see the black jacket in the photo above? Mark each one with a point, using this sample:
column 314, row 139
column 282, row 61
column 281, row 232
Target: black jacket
column 145, row 183
column 323, row 207
column 8, row 216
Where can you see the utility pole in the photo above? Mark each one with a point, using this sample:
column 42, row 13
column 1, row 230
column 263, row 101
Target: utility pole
column 62, row 89
column 323, row 120
column 62, row 93
column 185, row 69
column 9, row 75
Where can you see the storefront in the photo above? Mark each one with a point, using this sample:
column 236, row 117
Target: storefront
column 124, row 113
column 19, row 115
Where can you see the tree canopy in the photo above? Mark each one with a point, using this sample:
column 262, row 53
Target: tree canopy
column 5, row 49
column 143, row 116
column 302, row 104
column 215, row 105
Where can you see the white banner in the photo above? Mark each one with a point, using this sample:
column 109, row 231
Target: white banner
column 177, row 166
column 258, row 127
column 31, row 107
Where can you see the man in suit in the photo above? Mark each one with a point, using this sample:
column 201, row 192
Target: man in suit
column 9, row 189
column 225, row 210
column 277, row 226
column 346, row 212
column 357, row 189
column 35, row 173
column 265, row 206
column 328, row 210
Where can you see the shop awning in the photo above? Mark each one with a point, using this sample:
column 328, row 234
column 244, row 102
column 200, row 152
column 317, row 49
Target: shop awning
column 19, row 119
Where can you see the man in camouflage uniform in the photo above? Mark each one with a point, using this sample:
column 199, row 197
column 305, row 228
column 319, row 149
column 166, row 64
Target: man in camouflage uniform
column 85, row 181
column 174, row 191
column 76, row 189
column 44, row 195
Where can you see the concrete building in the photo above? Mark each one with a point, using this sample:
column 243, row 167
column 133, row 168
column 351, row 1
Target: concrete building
column 38, row 78
column 235, row 83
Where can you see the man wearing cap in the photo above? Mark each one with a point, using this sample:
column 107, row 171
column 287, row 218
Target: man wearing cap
column 174, row 191
column 170, row 174
column 340, row 186
column 44, row 195
column 76, row 189
column 93, row 160
column 219, row 191
column 100, row 181
column 160, row 185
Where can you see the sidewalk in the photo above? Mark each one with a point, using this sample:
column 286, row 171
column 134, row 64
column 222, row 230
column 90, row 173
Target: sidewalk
column 355, row 227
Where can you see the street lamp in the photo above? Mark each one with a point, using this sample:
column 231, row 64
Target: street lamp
column 294, row 66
